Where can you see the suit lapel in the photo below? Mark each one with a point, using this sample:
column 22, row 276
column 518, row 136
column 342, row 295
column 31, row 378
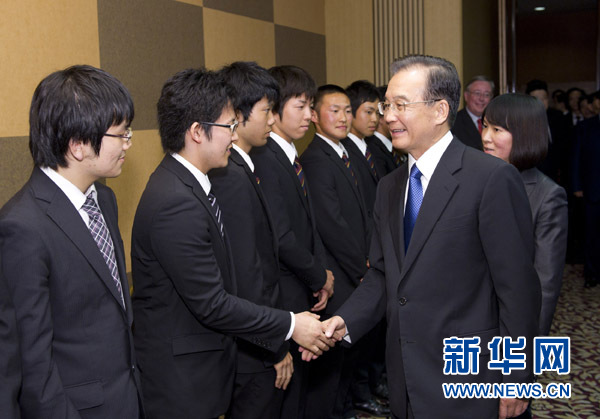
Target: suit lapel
column 339, row 163
column 439, row 192
column 62, row 212
column 396, row 202
column 289, row 168
column 357, row 156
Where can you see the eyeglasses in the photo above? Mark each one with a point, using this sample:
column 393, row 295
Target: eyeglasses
column 127, row 136
column 232, row 127
column 384, row 107
column 478, row 94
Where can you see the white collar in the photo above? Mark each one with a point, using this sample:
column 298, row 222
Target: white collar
column 245, row 156
column 288, row 148
column 339, row 147
column 200, row 177
column 360, row 143
column 385, row 140
column 430, row 159
column 474, row 117
column 72, row 192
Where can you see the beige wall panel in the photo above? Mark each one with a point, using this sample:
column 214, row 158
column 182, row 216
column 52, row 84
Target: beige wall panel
column 307, row 15
column 443, row 31
column 194, row 2
column 142, row 158
column 39, row 37
column 229, row 37
column 349, row 40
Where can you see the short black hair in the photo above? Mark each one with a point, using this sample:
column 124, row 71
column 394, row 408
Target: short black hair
column 525, row 118
column 248, row 83
column 560, row 96
column 327, row 89
column 536, row 84
column 78, row 103
column 293, row 82
column 557, row 92
column 442, row 79
column 381, row 90
column 361, row 91
column 192, row 95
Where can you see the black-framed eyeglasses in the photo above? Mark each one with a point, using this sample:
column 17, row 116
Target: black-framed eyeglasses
column 126, row 137
column 384, row 107
column 232, row 127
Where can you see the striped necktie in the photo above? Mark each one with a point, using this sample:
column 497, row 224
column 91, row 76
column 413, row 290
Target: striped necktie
column 371, row 161
column 300, row 174
column 397, row 158
column 217, row 210
column 349, row 167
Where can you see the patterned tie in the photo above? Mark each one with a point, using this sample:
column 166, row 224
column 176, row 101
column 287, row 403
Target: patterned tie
column 479, row 125
column 397, row 158
column 300, row 174
column 413, row 204
column 257, row 180
column 101, row 236
column 217, row 210
column 371, row 161
column 347, row 163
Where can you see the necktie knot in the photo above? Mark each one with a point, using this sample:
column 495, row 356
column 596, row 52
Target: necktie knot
column 90, row 207
column 414, row 172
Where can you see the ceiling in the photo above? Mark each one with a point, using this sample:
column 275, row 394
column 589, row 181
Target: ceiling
column 555, row 6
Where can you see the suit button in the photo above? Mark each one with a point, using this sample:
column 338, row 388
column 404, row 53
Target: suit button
column 402, row 301
column 133, row 368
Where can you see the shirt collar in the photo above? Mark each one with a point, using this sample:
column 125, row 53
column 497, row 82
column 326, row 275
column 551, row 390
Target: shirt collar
column 339, row 148
column 474, row 117
column 245, row 156
column 72, row 192
column 360, row 143
column 385, row 140
column 430, row 159
column 288, row 148
column 200, row 177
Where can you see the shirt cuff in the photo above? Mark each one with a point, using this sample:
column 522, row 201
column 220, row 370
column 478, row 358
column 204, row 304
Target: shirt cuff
column 292, row 325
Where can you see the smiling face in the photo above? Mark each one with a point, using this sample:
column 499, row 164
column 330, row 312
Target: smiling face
column 255, row 131
column 295, row 118
column 365, row 121
column 478, row 96
column 216, row 150
column 109, row 161
column 333, row 117
column 497, row 141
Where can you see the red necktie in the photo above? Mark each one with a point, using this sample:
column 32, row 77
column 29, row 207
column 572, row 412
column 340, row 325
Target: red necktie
column 479, row 125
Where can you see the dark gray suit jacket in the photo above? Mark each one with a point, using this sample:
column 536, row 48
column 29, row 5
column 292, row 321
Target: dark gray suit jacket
column 550, row 220
column 468, row 272
column 186, row 311
column 76, row 344
column 10, row 357
column 466, row 131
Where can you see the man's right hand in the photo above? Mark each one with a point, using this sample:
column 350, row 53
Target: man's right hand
column 335, row 328
column 308, row 333
column 324, row 293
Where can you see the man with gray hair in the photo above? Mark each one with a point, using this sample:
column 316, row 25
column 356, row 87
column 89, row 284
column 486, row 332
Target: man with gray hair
column 451, row 255
column 468, row 126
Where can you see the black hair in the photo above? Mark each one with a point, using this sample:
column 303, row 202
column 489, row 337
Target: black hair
column 192, row 95
column 361, row 91
column 327, row 89
column 442, row 79
column 525, row 118
column 248, row 83
column 571, row 90
column 381, row 90
column 293, row 82
column 536, row 84
column 78, row 103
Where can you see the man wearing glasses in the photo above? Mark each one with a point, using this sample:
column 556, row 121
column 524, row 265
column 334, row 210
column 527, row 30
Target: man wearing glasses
column 451, row 253
column 468, row 125
column 62, row 253
column 186, row 309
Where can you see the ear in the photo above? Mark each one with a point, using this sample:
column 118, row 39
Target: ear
column 196, row 133
column 76, row 150
column 314, row 116
column 442, row 111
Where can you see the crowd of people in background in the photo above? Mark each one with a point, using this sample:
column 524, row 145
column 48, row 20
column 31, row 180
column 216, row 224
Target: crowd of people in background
column 273, row 284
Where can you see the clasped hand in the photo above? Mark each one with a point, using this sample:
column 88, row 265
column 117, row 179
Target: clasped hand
column 315, row 337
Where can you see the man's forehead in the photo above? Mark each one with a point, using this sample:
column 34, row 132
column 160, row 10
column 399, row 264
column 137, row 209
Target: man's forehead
column 481, row 85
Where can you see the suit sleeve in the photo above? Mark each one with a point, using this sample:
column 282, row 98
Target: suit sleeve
column 506, row 234
column 181, row 240
column 550, row 250
column 25, row 265
column 335, row 232
column 297, row 258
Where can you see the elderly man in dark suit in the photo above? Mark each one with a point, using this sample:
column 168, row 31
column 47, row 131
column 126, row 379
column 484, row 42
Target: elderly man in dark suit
column 468, row 124
column 185, row 303
column 451, row 255
column 62, row 253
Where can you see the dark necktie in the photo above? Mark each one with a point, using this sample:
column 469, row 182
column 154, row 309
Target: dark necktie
column 397, row 158
column 414, row 200
column 349, row 167
column 101, row 236
column 217, row 211
column 371, row 161
column 300, row 174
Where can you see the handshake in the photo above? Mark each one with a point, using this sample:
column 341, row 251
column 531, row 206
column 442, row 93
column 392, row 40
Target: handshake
column 315, row 337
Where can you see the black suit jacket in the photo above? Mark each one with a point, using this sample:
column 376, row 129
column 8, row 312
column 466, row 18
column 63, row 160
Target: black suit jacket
column 465, row 130
column 586, row 167
column 468, row 272
column 184, row 300
column 301, row 252
column 76, row 344
column 548, row 203
column 383, row 157
column 254, row 246
column 10, row 357
column 342, row 220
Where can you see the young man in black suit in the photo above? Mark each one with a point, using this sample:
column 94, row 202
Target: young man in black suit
column 342, row 223
column 261, row 375
column 62, row 253
column 451, row 255
column 304, row 282
column 10, row 357
column 185, row 303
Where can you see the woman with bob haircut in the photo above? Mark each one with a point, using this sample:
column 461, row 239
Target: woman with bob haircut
column 515, row 129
